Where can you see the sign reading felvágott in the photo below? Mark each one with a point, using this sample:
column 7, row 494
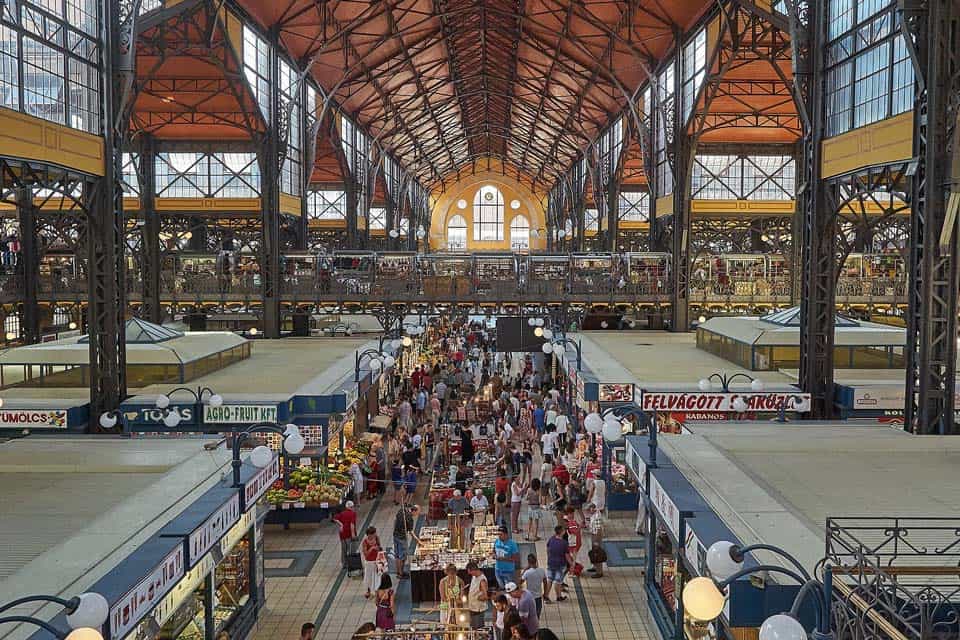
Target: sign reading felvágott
column 723, row 402
column 239, row 414
column 33, row 419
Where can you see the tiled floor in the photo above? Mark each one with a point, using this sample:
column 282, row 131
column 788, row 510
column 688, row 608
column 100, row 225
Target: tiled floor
column 610, row 608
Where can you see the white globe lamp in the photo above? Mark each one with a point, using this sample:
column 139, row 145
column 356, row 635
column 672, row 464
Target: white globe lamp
column 547, row 348
column 261, row 456
column 216, row 400
column 702, row 600
column 756, row 384
column 531, row 322
column 162, row 402
column 291, row 429
column 720, row 560
column 593, row 423
column 108, row 421
column 375, row 364
column 782, row 627
column 294, row 444
column 84, row 633
column 407, row 341
column 91, row 612
column 389, row 361
column 547, row 333
column 704, row 384
column 172, row 419
column 559, row 349
column 538, row 332
column 612, row 430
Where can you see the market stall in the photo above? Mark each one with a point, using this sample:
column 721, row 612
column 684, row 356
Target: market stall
column 433, row 554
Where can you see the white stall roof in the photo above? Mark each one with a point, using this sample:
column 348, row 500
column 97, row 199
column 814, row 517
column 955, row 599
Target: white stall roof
column 783, row 328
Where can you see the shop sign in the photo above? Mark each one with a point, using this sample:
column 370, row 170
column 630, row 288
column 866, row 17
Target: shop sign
column 177, row 596
column 636, row 465
column 210, row 532
column 616, row 392
column 665, row 507
column 723, row 402
column 260, row 482
column 885, row 397
column 33, row 419
column 236, row 533
column 692, row 551
column 153, row 416
column 239, row 413
column 140, row 600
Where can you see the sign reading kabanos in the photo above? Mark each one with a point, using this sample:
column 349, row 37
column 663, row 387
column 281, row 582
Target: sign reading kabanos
column 723, row 402
column 239, row 413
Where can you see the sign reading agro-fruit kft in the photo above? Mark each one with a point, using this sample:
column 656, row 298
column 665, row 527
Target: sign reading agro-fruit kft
column 33, row 419
column 239, row 414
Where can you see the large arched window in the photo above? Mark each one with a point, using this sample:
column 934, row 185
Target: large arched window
column 457, row 234
column 519, row 234
column 488, row 214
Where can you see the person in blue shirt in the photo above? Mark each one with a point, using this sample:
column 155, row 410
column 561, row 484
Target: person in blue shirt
column 507, row 553
column 539, row 416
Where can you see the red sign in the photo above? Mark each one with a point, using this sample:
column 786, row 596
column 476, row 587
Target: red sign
column 709, row 402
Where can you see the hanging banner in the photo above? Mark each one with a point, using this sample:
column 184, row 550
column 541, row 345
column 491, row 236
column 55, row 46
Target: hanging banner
column 140, row 600
column 708, row 402
column 616, row 392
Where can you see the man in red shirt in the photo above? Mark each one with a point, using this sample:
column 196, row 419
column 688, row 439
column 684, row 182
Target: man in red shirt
column 415, row 378
column 347, row 523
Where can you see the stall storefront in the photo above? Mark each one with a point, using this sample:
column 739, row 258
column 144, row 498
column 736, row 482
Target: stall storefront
column 200, row 575
column 681, row 527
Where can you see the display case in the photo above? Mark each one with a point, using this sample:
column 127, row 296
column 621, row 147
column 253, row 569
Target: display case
column 299, row 272
column 352, row 271
column 396, row 273
column 446, row 275
column 647, row 273
column 496, row 274
column 231, row 580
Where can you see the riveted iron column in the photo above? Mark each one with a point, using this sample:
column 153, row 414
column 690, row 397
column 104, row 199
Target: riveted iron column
column 931, row 29
column 681, row 148
column 150, row 231
column 818, row 294
column 29, row 267
column 270, row 202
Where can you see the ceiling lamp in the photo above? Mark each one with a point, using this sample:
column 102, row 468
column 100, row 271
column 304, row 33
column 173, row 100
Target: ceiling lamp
column 514, row 204
column 461, row 204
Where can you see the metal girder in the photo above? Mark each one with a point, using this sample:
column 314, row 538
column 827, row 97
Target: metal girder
column 816, row 199
column 149, row 232
column 930, row 29
column 29, row 266
column 270, row 167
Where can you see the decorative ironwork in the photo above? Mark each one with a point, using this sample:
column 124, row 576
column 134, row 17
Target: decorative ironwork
column 894, row 577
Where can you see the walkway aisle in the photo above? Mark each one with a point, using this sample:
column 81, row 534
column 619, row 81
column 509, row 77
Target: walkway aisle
column 322, row 593
column 610, row 608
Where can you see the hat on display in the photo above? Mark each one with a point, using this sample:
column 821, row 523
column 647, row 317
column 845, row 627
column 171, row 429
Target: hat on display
column 349, row 504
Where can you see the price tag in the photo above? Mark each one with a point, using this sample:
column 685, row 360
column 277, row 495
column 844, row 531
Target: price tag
column 299, row 505
column 305, row 462
column 285, row 505
column 273, row 507
column 324, row 505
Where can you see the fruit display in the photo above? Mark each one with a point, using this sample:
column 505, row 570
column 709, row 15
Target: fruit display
column 354, row 452
column 307, row 488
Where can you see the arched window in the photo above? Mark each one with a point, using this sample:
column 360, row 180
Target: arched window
column 519, row 234
column 457, row 234
column 488, row 214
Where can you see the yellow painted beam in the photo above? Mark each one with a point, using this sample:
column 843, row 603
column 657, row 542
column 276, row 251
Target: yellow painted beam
column 290, row 204
column 664, row 206
column 30, row 138
column 883, row 142
column 722, row 208
column 208, row 204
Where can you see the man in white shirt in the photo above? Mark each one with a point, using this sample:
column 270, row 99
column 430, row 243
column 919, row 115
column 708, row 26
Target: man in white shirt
column 561, row 423
column 549, row 442
column 508, row 431
column 550, row 417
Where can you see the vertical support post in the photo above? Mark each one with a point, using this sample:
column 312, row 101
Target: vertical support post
column 682, row 149
column 931, row 30
column 270, row 202
column 29, row 267
column 103, row 200
column 150, row 231
column 818, row 299
column 796, row 231
column 613, row 208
